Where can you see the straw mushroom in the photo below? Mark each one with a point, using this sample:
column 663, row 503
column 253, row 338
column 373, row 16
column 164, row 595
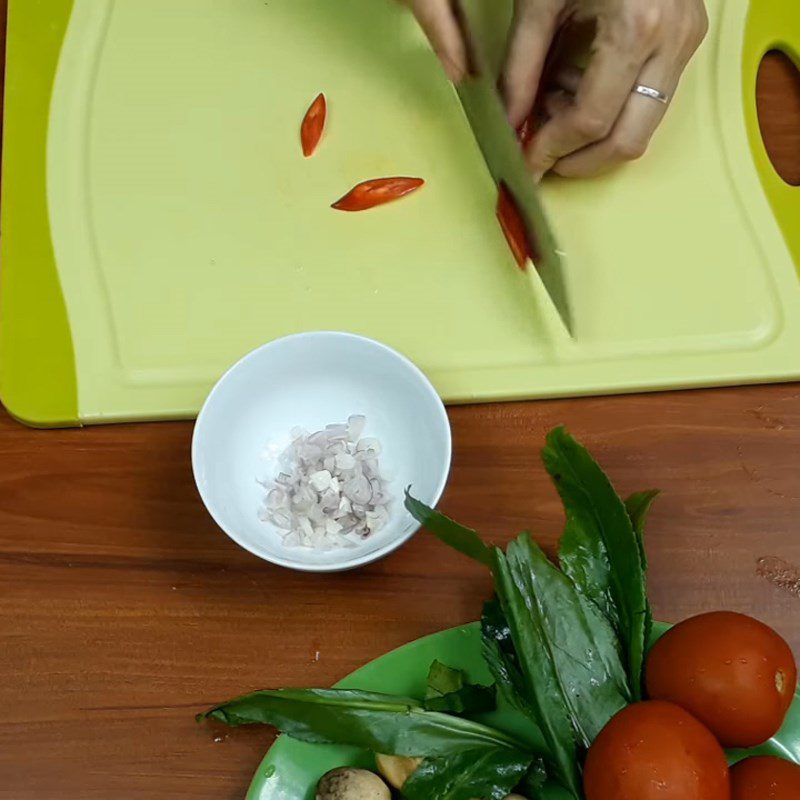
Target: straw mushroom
column 396, row 769
column 348, row 783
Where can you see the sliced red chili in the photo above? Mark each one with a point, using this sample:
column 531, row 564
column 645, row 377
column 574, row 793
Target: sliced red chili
column 526, row 131
column 313, row 125
column 376, row 192
column 513, row 227
column 537, row 115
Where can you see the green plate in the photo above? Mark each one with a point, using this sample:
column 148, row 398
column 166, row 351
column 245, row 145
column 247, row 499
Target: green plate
column 291, row 769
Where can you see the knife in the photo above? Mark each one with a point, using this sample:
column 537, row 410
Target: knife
column 498, row 143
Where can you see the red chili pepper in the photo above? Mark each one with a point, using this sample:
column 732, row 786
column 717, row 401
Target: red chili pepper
column 537, row 116
column 376, row 192
column 513, row 227
column 313, row 125
column 526, row 131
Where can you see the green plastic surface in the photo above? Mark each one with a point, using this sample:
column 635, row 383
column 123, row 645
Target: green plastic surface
column 291, row 769
column 188, row 228
column 772, row 25
column 37, row 367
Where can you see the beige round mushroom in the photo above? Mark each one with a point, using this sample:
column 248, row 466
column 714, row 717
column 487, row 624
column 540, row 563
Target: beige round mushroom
column 396, row 769
column 349, row 783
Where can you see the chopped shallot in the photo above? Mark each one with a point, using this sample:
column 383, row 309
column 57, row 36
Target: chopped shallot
column 329, row 492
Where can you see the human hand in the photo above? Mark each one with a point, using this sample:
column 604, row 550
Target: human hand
column 594, row 119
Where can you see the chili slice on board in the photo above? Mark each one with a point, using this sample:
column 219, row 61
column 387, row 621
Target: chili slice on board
column 313, row 125
column 513, row 227
column 376, row 192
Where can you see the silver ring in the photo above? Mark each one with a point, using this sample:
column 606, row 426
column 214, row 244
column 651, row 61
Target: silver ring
column 649, row 91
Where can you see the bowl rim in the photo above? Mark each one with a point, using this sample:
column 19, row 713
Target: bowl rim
column 356, row 561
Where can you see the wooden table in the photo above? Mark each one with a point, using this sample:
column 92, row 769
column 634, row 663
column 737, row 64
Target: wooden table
column 123, row 609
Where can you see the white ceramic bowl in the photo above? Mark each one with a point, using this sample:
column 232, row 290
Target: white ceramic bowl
column 311, row 380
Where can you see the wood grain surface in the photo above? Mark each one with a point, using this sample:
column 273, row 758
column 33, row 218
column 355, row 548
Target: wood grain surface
column 123, row 610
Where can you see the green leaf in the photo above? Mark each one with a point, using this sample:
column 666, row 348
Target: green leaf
column 378, row 722
column 501, row 658
column 535, row 778
column 599, row 550
column 489, row 774
column 581, row 642
column 470, row 699
column 550, row 791
column 542, row 689
column 465, row 540
column 444, row 680
column 583, row 558
column 449, row 691
column 537, row 786
column 638, row 506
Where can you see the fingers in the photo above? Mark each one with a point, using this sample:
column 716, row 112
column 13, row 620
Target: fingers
column 670, row 34
column 600, row 96
column 532, row 31
column 631, row 134
column 556, row 102
column 568, row 78
column 436, row 19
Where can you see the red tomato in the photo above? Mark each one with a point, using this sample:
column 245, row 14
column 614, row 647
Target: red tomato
column 765, row 778
column 655, row 751
column 732, row 672
column 376, row 192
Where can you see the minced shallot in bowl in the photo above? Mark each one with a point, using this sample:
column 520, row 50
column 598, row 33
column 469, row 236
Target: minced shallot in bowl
column 330, row 492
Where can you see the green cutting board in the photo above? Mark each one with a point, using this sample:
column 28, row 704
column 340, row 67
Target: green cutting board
column 159, row 219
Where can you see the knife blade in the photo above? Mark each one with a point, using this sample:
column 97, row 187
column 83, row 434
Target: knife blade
column 503, row 155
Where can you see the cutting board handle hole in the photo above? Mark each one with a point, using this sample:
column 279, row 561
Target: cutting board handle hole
column 778, row 107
